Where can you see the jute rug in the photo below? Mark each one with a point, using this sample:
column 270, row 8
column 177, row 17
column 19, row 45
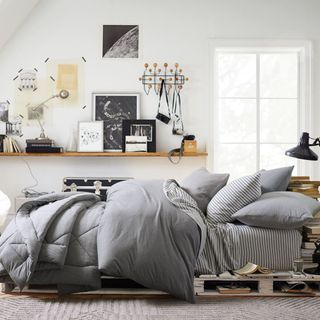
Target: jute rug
column 32, row 308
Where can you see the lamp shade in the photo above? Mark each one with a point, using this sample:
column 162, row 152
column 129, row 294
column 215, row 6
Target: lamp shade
column 302, row 150
column 4, row 207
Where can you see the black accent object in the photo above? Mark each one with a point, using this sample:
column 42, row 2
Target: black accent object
column 140, row 128
column 44, row 149
column 172, row 152
column 165, row 118
column 315, row 259
column 97, row 185
column 302, row 150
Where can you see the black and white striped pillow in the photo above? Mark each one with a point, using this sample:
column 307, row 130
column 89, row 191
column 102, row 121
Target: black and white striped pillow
column 233, row 197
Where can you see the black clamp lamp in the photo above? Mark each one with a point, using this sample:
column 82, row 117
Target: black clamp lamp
column 303, row 151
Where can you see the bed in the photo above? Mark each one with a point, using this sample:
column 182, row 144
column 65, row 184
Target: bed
column 71, row 239
column 230, row 246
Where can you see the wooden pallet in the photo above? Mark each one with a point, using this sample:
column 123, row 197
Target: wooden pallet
column 261, row 285
column 204, row 286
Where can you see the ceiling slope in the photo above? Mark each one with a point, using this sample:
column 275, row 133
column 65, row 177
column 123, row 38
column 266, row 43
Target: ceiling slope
column 12, row 15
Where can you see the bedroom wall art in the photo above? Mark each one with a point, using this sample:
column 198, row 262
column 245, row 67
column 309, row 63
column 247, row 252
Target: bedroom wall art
column 4, row 111
column 90, row 137
column 120, row 41
column 112, row 108
column 141, row 127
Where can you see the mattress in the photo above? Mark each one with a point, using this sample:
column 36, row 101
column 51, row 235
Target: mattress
column 230, row 246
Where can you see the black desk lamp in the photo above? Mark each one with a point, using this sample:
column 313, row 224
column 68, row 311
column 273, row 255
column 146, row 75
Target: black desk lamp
column 302, row 151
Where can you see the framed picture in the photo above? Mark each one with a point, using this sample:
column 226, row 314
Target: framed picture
column 140, row 128
column 112, row 109
column 120, row 41
column 90, row 136
column 4, row 111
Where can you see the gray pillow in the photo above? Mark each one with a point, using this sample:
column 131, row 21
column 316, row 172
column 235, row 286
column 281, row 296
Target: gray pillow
column 203, row 185
column 275, row 179
column 232, row 198
column 279, row 210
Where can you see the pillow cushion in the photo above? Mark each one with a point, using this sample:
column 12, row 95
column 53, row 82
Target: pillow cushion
column 280, row 210
column 233, row 197
column 275, row 179
column 203, row 185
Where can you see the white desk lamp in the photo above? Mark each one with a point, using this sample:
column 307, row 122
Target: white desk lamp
column 63, row 94
column 5, row 205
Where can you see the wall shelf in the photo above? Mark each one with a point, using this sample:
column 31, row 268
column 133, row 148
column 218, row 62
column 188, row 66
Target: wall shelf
column 100, row 154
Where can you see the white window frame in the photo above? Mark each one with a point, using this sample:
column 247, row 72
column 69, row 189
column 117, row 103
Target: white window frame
column 304, row 48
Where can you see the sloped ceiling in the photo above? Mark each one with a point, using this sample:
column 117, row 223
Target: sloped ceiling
column 12, row 15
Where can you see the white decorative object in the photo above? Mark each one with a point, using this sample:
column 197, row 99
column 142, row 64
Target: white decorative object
column 72, row 141
column 5, row 205
column 90, row 136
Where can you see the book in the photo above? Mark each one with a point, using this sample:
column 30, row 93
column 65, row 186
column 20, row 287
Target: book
column 44, row 149
column 308, row 245
column 312, row 229
column 251, row 268
column 40, row 141
column 295, row 287
column 233, row 289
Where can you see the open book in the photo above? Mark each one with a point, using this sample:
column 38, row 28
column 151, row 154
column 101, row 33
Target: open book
column 251, row 268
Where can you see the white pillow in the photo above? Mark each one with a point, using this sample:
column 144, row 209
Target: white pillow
column 233, row 197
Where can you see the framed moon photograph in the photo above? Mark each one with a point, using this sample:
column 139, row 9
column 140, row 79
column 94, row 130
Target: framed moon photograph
column 112, row 109
column 120, row 41
column 90, row 136
column 140, row 128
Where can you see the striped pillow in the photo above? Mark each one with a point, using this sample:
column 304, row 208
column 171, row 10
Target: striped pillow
column 233, row 197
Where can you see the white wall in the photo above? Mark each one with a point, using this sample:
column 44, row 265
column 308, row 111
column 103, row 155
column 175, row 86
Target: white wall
column 172, row 31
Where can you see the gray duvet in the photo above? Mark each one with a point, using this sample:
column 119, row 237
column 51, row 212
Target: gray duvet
column 147, row 231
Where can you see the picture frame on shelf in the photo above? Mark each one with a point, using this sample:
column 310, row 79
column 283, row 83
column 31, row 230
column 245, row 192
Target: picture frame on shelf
column 112, row 109
column 90, row 136
column 140, row 127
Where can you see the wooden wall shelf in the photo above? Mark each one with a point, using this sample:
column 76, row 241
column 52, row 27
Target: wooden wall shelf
column 100, row 154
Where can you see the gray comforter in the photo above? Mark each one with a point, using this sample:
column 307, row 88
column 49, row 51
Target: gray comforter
column 148, row 231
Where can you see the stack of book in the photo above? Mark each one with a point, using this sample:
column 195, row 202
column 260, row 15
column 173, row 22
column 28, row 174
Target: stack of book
column 42, row 146
column 311, row 233
column 8, row 144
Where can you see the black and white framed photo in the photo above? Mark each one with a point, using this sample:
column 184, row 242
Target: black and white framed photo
column 90, row 136
column 120, row 41
column 4, row 111
column 140, row 128
column 112, row 109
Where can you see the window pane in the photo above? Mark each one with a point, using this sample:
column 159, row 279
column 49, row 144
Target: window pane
column 273, row 156
column 278, row 120
column 237, row 75
column 237, row 159
column 237, row 120
column 279, row 75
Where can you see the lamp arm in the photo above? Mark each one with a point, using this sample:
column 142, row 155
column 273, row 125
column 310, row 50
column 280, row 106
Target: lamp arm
column 43, row 102
column 316, row 142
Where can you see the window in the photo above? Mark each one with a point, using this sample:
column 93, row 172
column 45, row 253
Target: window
column 257, row 108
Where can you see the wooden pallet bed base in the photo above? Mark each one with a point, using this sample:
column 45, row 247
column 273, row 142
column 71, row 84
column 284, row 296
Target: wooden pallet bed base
column 204, row 286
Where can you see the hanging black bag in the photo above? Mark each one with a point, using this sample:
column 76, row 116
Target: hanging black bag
column 165, row 118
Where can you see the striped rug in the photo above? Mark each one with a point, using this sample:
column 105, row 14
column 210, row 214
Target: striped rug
column 160, row 309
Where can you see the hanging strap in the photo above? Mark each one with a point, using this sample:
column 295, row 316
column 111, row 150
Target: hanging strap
column 177, row 112
column 162, row 90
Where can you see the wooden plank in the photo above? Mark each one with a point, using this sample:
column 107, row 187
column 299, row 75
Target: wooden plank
column 100, row 154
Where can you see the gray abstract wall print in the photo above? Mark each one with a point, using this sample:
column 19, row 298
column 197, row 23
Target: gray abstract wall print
column 120, row 41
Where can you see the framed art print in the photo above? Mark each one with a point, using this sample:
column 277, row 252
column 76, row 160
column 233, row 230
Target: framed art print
column 112, row 109
column 140, row 128
column 90, row 136
column 120, row 41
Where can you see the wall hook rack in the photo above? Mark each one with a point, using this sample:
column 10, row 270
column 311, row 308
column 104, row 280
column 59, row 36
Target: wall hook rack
column 153, row 76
